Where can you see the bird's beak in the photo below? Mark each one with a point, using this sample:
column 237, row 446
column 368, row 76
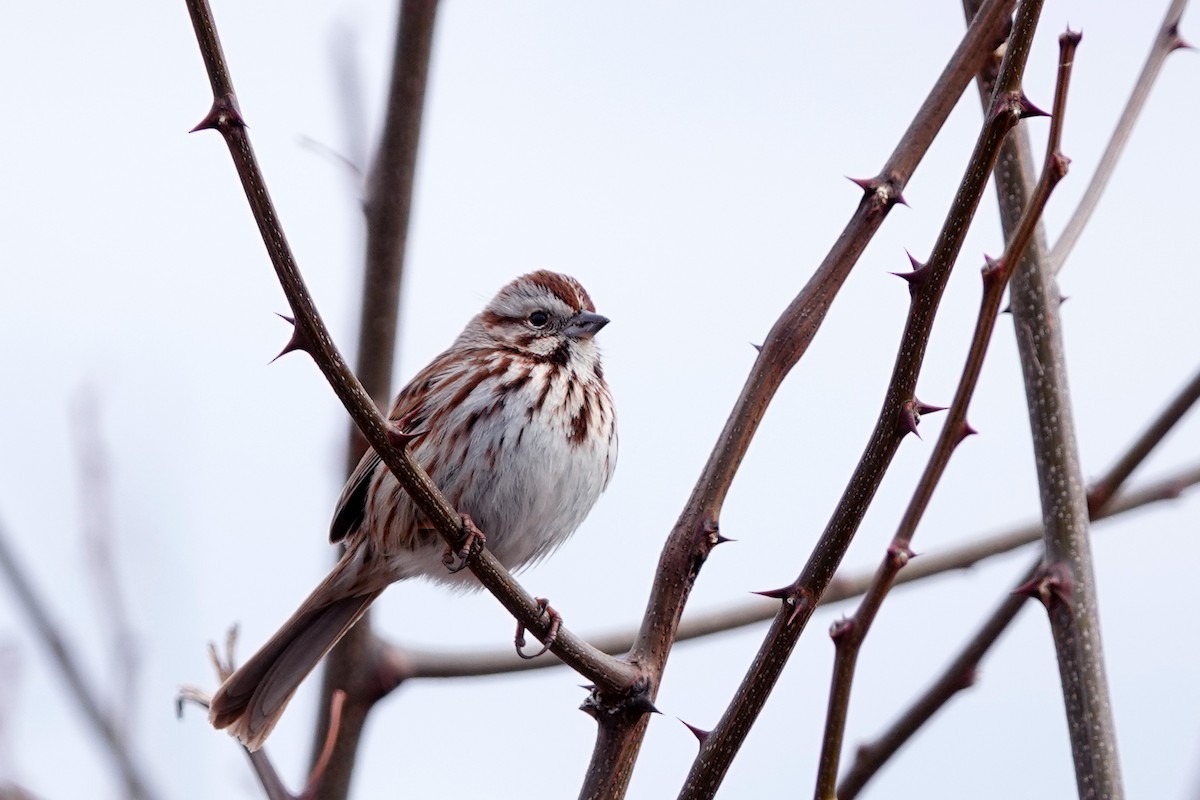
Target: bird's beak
column 585, row 325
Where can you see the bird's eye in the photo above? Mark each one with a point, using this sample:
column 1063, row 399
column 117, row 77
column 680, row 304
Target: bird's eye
column 539, row 318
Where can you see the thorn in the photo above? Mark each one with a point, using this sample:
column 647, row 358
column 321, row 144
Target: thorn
column 722, row 539
column 868, row 185
column 992, row 268
column 400, row 433
column 900, row 555
column 1051, row 584
column 882, row 191
column 1174, row 40
column 783, row 593
column 298, row 341
column 223, row 114
column 919, row 275
column 966, row 431
column 757, row 347
column 1063, row 298
column 925, row 408
column 642, row 704
column 1027, row 109
column 699, row 733
column 910, row 418
column 791, row 595
column 840, row 629
column 401, row 438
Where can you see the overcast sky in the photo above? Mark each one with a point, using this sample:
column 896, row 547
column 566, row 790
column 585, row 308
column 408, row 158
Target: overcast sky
column 686, row 162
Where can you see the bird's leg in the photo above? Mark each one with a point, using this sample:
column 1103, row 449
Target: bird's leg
column 544, row 608
column 473, row 539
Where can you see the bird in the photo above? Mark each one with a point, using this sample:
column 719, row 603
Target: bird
column 518, row 430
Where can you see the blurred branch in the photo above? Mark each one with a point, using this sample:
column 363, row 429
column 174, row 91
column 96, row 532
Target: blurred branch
column 696, row 532
column 353, row 666
column 38, row 614
column 268, row 776
column 849, row 634
column 926, row 285
column 96, row 518
column 961, row 671
column 1166, row 42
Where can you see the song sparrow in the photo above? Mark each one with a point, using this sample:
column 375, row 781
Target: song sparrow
column 520, row 436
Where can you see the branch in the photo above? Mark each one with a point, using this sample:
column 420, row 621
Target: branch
column 264, row 769
column 696, row 531
column 849, row 634
column 414, row 663
column 962, row 669
column 37, row 611
column 1166, row 42
column 353, row 666
column 1066, row 582
column 313, row 337
column 926, row 284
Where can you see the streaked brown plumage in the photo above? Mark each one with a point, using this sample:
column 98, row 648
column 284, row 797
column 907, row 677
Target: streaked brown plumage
column 521, row 436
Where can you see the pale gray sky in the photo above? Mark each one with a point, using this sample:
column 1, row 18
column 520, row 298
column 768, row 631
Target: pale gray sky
column 685, row 161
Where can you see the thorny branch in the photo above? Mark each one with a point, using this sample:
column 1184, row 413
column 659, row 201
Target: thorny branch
column 313, row 337
column 696, row 531
column 961, row 671
column 849, row 634
column 414, row 663
column 926, row 283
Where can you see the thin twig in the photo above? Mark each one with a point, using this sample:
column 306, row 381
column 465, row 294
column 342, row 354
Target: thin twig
column 926, row 284
column 1166, row 42
column 696, row 531
column 849, row 634
column 313, row 337
column 38, row 613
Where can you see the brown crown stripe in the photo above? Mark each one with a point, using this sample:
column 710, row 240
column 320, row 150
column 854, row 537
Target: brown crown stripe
column 565, row 288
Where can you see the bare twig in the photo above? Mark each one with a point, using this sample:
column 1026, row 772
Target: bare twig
column 696, row 531
column 38, row 613
column 313, row 337
column 926, row 283
column 849, row 634
column 1166, row 42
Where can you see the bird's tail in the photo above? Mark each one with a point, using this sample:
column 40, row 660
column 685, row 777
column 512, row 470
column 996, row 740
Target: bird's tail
column 253, row 698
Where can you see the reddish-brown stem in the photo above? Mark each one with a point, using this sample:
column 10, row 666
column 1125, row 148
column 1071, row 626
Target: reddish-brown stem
column 599, row 667
column 695, row 532
column 850, row 634
column 1166, row 42
column 1007, row 106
